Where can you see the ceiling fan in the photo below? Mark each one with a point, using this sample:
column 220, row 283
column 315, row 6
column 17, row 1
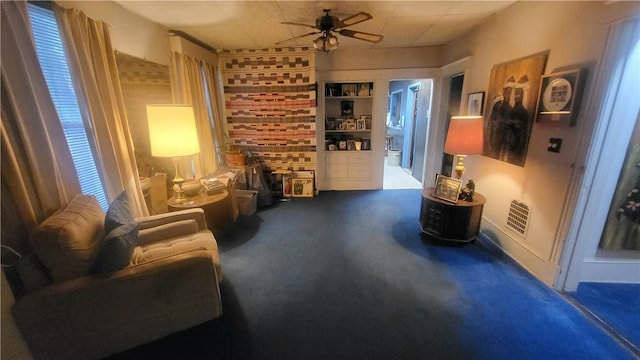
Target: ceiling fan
column 327, row 25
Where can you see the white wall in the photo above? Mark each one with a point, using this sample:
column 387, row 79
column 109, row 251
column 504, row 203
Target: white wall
column 130, row 33
column 574, row 34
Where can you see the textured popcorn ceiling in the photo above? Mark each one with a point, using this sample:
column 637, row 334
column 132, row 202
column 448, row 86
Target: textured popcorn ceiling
column 256, row 24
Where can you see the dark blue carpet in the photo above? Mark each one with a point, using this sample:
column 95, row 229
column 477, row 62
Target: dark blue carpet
column 346, row 275
column 618, row 305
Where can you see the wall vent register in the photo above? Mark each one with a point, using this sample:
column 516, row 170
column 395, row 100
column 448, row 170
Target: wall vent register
column 518, row 218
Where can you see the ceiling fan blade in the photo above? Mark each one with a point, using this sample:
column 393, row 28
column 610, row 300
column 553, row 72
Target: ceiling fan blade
column 374, row 38
column 297, row 37
column 299, row 24
column 352, row 20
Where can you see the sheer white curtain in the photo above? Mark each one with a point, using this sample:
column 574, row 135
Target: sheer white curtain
column 37, row 168
column 193, row 82
column 93, row 66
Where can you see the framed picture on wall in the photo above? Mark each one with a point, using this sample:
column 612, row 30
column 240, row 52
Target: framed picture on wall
column 510, row 105
column 475, row 103
column 559, row 97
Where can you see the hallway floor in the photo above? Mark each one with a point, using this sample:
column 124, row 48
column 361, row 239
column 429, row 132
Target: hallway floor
column 617, row 306
column 395, row 177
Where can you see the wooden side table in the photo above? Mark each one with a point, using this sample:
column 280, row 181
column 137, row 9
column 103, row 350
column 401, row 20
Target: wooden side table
column 217, row 209
column 446, row 221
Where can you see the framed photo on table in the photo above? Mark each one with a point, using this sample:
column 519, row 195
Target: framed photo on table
column 447, row 188
column 559, row 97
column 475, row 103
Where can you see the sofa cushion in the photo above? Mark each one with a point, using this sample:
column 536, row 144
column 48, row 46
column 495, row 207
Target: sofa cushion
column 67, row 242
column 119, row 213
column 117, row 248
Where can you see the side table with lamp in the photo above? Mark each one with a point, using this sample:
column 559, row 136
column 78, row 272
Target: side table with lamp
column 457, row 220
column 173, row 133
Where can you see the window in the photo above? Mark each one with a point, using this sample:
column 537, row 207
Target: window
column 56, row 72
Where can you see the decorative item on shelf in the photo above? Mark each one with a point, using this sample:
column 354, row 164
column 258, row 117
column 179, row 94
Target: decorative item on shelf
column 361, row 124
column 173, row 133
column 364, row 89
column 332, row 90
column 346, row 108
column 349, row 90
column 366, row 144
column 330, row 123
column 367, row 121
column 464, row 137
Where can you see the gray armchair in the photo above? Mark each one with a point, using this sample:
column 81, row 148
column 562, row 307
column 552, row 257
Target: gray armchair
column 170, row 283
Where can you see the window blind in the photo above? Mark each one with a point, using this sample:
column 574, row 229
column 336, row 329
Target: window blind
column 54, row 65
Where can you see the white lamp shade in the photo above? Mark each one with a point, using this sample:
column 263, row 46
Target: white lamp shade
column 464, row 136
column 172, row 130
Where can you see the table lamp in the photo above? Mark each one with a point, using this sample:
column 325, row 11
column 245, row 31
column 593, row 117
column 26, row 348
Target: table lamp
column 172, row 133
column 464, row 137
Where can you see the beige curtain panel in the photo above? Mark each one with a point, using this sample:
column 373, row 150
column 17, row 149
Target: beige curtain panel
column 189, row 76
column 37, row 168
column 94, row 70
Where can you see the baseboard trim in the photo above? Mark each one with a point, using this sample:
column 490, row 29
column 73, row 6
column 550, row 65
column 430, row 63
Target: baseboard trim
column 541, row 269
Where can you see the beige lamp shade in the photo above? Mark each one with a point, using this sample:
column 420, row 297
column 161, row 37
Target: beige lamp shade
column 464, row 136
column 172, row 130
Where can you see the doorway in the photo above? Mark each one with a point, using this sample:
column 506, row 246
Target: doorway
column 408, row 112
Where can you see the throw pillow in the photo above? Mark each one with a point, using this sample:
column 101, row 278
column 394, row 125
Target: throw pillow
column 117, row 249
column 118, row 213
column 67, row 242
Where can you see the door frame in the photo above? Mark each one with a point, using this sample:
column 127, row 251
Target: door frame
column 615, row 116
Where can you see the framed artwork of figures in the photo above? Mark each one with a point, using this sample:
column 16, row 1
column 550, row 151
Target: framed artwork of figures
column 510, row 108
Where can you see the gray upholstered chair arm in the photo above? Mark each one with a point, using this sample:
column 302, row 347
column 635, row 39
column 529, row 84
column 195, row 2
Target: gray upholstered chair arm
column 163, row 226
column 196, row 214
column 84, row 316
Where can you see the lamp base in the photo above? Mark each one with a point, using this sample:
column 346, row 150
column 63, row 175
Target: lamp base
column 178, row 180
column 459, row 168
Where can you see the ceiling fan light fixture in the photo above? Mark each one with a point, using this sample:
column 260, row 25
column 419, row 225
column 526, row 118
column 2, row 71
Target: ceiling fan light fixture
column 327, row 24
column 326, row 43
column 319, row 43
